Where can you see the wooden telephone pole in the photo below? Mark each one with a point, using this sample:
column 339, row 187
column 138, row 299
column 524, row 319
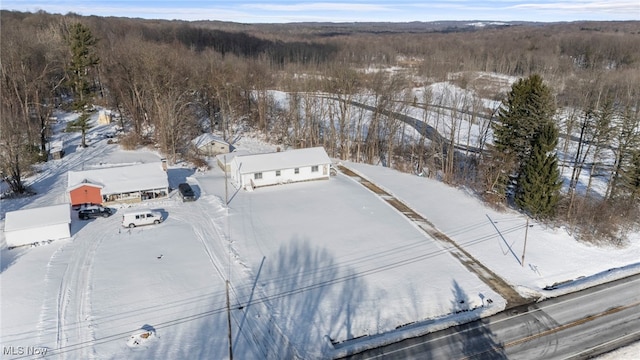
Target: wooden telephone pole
column 226, row 191
column 226, row 204
column 526, row 230
column 229, row 324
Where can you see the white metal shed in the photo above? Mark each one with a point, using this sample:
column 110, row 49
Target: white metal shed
column 30, row 226
column 251, row 171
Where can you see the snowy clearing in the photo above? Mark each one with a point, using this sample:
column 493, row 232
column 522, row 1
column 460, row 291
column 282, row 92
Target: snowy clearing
column 313, row 268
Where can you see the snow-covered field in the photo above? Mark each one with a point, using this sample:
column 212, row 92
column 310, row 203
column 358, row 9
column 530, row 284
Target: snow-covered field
column 497, row 239
column 307, row 264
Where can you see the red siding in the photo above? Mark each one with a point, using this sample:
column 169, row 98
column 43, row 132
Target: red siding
column 86, row 194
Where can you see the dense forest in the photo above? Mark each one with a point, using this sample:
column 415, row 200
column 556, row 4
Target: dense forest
column 173, row 80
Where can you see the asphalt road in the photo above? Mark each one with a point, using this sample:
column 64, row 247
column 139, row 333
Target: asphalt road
column 574, row 326
column 432, row 134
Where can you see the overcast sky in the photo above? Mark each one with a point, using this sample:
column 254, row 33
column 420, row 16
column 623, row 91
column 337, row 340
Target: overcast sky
column 258, row 11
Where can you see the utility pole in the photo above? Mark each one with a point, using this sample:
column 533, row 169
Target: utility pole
column 226, row 191
column 226, row 205
column 526, row 230
column 229, row 324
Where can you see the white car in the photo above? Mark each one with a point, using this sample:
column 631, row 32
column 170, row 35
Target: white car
column 141, row 217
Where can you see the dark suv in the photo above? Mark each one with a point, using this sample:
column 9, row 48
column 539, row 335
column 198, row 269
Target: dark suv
column 186, row 192
column 93, row 212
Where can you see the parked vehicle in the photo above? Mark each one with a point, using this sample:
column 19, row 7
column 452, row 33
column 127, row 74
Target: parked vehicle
column 186, row 192
column 94, row 211
column 141, row 217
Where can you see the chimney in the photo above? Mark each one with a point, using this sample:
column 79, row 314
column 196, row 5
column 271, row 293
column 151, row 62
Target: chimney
column 164, row 164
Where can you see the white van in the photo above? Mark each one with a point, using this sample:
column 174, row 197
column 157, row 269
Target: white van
column 141, row 217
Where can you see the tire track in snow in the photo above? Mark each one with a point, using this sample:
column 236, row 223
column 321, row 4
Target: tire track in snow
column 204, row 233
column 256, row 315
column 48, row 320
column 73, row 325
column 259, row 329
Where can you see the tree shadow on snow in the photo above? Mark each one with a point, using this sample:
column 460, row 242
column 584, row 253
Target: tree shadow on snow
column 207, row 340
column 299, row 299
column 9, row 257
column 474, row 339
column 309, row 298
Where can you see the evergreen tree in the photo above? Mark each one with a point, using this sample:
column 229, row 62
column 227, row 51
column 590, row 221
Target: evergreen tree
column 83, row 58
column 528, row 106
column 527, row 110
column 625, row 168
column 539, row 181
column 630, row 177
column 81, row 124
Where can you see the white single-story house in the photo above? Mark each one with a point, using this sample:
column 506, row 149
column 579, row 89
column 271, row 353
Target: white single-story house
column 210, row 145
column 256, row 170
column 119, row 184
column 28, row 226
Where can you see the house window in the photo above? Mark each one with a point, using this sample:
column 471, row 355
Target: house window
column 257, row 176
column 314, row 168
column 296, row 170
column 277, row 172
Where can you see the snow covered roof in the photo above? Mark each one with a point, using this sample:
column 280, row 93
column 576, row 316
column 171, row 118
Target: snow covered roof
column 37, row 217
column 54, row 146
column 206, row 139
column 230, row 156
column 122, row 179
column 86, row 182
column 248, row 164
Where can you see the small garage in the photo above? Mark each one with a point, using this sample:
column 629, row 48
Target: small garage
column 29, row 226
column 210, row 145
column 56, row 149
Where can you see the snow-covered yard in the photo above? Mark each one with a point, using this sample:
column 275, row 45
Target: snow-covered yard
column 497, row 239
column 313, row 268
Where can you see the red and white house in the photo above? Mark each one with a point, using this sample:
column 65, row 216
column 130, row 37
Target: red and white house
column 118, row 184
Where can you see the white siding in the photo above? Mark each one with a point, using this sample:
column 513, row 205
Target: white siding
column 28, row 226
column 286, row 176
column 37, row 234
column 243, row 169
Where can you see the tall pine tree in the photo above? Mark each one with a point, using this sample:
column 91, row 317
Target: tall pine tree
column 525, row 132
column 528, row 106
column 83, row 58
column 630, row 176
column 539, row 183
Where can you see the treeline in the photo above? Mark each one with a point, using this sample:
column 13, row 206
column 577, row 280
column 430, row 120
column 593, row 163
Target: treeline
column 236, row 43
column 172, row 80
